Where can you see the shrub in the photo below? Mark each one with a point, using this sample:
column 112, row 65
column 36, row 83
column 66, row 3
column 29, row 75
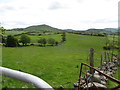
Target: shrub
column 56, row 43
column 2, row 30
column 63, row 37
column 51, row 41
column 24, row 39
column 11, row 41
column 42, row 41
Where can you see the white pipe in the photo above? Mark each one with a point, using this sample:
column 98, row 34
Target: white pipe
column 33, row 80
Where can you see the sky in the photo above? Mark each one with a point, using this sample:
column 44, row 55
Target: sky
column 62, row 14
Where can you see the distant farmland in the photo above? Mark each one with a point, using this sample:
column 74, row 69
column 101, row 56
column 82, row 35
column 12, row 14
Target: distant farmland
column 57, row 65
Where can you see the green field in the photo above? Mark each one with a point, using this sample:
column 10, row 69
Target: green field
column 14, row 32
column 35, row 38
column 57, row 65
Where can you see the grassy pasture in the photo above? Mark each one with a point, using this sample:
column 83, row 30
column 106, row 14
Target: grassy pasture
column 13, row 32
column 58, row 65
column 34, row 38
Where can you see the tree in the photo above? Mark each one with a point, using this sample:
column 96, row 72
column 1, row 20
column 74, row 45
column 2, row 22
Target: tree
column 107, row 43
column 56, row 43
column 42, row 41
column 107, row 40
column 2, row 38
column 24, row 39
column 2, row 30
column 63, row 37
column 11, row 41
column 51, row 41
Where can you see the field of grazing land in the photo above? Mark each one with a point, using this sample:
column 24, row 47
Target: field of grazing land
column 34, row 39
column 14, row 32
column 57, row 65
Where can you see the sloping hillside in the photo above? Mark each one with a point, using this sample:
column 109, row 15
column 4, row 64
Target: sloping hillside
column 42, row 28
column 38, row 28
column 106, row 30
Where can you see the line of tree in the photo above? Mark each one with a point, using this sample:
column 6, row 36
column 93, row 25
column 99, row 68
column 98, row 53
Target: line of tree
column 63, row 37
column 11, row 41
column 89, row 34
column 111, row 44
column 50, row 41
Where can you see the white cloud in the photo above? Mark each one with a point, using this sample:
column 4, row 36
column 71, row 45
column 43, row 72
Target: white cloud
column 74, row 14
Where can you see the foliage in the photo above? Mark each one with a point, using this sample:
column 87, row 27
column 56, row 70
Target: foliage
column 2, row 34
column 11, row 41
column 56, row 43
column 64, row 37
column 42, row 41
column 24, row 39
column 2, row 30
column 111, row 42
column 51, row 41
column 2, row 38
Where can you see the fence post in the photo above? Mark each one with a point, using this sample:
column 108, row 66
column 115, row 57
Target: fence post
column 108, row 56
column 91, row 60
column 101, row 60
column 105, row 57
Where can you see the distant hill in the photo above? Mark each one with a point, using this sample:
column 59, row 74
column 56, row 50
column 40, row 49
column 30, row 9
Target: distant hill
column 47, row 28
column 111, row 29
column 42, row 28
column 38, row 28
column 105, row 30
column 69, row 30
column 95, row 30
column 72, row 30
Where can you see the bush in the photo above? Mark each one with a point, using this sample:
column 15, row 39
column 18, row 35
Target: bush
column 42, row 41
column 51, row 41
column 2, row 30
column 24, row 39
column 56, row 43
column 2, row 39
column 39, row 34
column 63, row 37
column 11, row 41
column 106, row 48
